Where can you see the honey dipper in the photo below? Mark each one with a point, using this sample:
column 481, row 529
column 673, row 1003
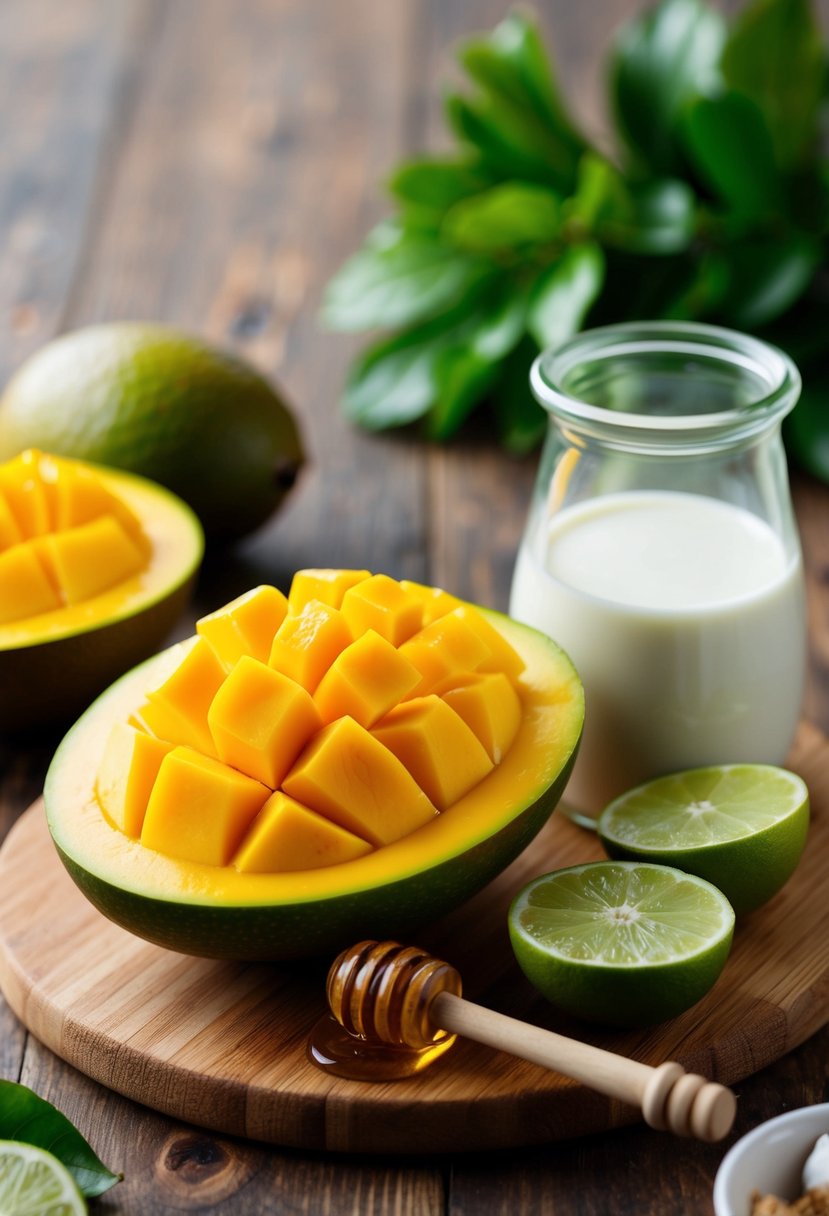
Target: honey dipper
column 399, row 998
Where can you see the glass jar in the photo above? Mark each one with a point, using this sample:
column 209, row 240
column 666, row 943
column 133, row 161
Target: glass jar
column 661, row 550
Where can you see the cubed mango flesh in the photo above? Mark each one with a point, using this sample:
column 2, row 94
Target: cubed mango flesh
column 85, row 539
column 127, row 774
column 297, row 733
column 381, row 604
column 307, row 644
column 365, row 681
column 327, row 586
column 436, row 746
column 177, row 709
column 348, row 775
column 260, row 720
column 246, row 626
column 490, row 707
column 90, row 558
column 449, row 646
column 25, row 588
column 287, row 836
column 199, row 809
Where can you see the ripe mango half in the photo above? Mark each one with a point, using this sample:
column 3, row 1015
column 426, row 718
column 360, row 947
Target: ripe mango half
column 352, row 760
column 95, row 566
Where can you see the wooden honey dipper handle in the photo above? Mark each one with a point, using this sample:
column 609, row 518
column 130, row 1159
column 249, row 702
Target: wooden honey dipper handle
column 387, row 993
column 670, row 1098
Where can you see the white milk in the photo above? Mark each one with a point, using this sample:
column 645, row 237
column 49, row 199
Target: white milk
column 685, row 620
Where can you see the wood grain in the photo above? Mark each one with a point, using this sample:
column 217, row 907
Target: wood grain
column 222, row 1045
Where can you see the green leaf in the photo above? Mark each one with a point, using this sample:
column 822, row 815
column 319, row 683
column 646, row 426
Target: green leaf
column 435, row 184
column 504, row 218
column 461, row 378
column 29, row 1119
column 511, row 141
column 564, row 294
column 662, row 60
column 775, row 55
column 765, row 279
column 657, row 216
column 520, row 421
column 731, row 149
column 399, row 284
column 394, row 382
column 511, row 62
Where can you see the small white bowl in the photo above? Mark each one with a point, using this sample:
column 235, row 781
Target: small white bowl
column 769, row 1159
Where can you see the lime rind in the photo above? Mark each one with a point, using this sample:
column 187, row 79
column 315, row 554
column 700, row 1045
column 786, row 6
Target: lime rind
column 35, row 1183
column 638, row 943
column 741, row 827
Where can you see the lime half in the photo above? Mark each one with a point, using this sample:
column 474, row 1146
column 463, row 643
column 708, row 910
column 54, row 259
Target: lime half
column 741, row 826
column 620, row 942
column 34, row 1183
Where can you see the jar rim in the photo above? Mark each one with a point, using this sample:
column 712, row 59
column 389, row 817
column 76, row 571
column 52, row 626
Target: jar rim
column 715, row 343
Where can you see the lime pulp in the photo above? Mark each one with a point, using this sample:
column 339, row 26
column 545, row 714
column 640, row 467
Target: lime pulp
column 35, row 1183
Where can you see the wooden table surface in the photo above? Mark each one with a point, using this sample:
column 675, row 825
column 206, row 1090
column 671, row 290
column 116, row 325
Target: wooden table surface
column 210, row 163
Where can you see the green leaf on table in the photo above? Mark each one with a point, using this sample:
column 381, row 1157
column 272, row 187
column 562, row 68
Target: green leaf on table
column 30, row 1119
column 564, row 293
column 776, row 56
column 766, row 278
column 661, row 60
column 399, row 284
column 655, row 216
column 731, row 149
column 506, row 217
column 392, row 383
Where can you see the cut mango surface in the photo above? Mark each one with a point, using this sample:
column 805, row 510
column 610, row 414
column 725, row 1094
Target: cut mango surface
column 65, row 538
column 303, row 732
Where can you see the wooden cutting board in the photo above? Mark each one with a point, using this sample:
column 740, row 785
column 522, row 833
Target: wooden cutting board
column 223, row 1044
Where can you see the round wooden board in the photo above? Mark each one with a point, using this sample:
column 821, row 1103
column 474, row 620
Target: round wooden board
column 223, row 1044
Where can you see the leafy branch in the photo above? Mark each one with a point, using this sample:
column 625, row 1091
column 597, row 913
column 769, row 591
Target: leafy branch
column 714, row 205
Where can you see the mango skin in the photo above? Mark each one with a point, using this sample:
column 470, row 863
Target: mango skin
column 322, row 915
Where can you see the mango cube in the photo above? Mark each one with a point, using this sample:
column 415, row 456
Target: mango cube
column 260, row 720
column 450, row 646
column 246, row 626
column 199, row 810
column 327, row 586
column 365, row 681
column 307, row 644
column 349, row 776
column 25, row 589
column 89, row 559
column 24, row 493
column 502, row 656
column 78, row 496
column 434, row 601
column 490, row 707
column 286, row 836
column 436, row 746
column 128, row 771
column 10, row 533
column 177, row 709
column 381, row 604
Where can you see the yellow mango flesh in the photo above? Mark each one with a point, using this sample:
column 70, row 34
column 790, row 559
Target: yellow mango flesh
column 293, row 734
column 260, row 720
column 57, row 515
column 245, row 627
column 356, row 781
column 287, row 836
column 199, row 809
column 437, row 747
column 365, row 681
